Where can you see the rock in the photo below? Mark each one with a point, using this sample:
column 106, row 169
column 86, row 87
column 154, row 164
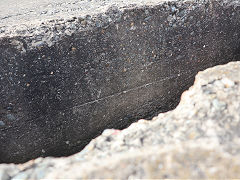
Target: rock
column 71, row 69
column 198, row 139
column 7, row 171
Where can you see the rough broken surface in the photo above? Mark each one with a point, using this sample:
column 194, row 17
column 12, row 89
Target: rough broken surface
column 25, row 14
column 67, row 75
column 199, row 139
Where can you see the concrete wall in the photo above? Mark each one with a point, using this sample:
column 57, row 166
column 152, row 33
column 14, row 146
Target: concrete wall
column 62, row 87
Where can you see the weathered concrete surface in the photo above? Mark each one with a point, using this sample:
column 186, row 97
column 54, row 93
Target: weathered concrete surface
column 68, row 74
column 199, row 139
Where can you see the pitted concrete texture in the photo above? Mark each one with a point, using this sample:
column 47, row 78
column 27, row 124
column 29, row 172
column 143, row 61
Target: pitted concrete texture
column 69, row 70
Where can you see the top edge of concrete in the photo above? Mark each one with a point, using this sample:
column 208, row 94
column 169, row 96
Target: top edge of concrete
column 19, row 15
column 32, row 19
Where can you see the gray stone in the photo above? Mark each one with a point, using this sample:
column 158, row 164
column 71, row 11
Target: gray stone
column 71, row 69
column 2, row 123
column 7, row 171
